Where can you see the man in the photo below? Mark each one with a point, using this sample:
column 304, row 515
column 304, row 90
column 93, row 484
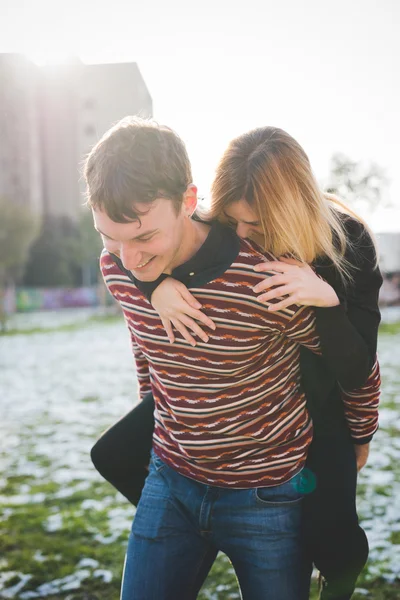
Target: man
column 231, row 429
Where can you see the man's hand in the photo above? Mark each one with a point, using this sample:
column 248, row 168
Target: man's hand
column 362, row 452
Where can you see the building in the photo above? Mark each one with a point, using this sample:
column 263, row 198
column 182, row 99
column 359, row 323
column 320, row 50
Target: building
column 78, row 104
column 58, row 113
column 389, row 262
column 50, row 117
column 20, row 160
column 389, row 251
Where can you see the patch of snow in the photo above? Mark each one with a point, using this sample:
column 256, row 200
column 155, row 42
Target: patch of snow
column 39, row 557
column 106, row 576
column 12, row 591
column 53, row 523
column 48, row 431
column 88, row 562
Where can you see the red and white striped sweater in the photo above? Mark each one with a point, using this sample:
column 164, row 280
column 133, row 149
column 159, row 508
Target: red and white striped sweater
column 231, row 412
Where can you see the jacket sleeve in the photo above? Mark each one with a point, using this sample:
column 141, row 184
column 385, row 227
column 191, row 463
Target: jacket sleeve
column 348, row 332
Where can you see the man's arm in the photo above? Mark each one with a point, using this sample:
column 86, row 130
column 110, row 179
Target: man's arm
column 142, row 369
column 112, row 276
column 301, row 328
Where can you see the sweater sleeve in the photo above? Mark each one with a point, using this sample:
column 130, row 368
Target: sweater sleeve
column 111, row 272
column 301, row 328
column 142, row 369
column 348, row 332
column 361, row 407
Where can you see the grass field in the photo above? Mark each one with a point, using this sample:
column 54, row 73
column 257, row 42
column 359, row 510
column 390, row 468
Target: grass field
column 63, row 529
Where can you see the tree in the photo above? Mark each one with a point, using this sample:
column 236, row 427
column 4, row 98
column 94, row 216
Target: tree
column 54, row 256
column 66, row 253
column 18, row 229
column 90, row 248
column 356, row 183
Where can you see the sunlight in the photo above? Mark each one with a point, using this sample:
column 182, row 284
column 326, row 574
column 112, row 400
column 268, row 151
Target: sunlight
column 52, row 57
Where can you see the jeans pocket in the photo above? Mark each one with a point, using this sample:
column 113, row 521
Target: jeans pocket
column 286, row 494
column 158, row 464
column 154, row 513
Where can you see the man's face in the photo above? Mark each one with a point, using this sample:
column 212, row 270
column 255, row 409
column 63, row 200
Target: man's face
column 150, row 247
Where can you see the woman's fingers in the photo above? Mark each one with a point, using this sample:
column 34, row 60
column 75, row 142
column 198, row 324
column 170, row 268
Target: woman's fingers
column 191, row 324
column 184, row 331
column 200, row 316
column 268, row 282
column 168, row 328
column 190, row 299
column 283, row 304
column 282, row 290
column 183, row 323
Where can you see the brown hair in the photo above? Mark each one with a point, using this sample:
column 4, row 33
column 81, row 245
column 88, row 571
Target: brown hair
column 136, row 161
column 270, row 170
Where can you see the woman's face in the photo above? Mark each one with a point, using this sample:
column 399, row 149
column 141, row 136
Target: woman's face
column 245, row 220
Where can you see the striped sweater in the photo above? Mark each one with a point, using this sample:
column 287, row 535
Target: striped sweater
column 230, row 412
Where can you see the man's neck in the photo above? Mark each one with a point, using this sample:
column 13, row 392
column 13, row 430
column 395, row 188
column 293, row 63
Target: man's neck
column 194, row 236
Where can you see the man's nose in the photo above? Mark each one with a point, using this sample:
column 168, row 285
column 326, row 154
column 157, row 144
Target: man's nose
column 130, row 256
column 243, row 230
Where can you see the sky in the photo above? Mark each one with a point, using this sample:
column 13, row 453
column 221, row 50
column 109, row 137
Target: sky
column 326, row 71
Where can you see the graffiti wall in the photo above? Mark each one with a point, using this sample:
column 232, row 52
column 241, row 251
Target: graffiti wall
column 30, row 299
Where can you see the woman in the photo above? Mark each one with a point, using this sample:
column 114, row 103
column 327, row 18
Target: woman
column 264, row 187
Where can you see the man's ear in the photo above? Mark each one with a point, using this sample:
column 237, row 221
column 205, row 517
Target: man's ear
column 190, row 199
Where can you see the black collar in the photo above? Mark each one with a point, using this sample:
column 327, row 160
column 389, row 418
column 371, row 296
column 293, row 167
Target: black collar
column 212, row 259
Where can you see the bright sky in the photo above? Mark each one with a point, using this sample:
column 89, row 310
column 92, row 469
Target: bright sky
column 326, row 71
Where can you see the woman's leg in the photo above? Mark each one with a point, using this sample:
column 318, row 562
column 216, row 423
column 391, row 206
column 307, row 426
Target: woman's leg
column 122, row 454
column 337, row 544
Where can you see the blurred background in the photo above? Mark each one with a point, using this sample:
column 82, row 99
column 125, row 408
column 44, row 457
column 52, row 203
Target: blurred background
column 328, row 73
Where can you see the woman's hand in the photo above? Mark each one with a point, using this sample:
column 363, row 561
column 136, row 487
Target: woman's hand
column 295, row 280
column 362, row 453
column 177, row 307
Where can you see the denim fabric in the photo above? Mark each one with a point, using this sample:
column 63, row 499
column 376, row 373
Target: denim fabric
column 181, row 524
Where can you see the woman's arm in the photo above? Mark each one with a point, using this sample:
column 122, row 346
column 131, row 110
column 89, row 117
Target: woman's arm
column 355, row 321
column 347, row 319
column 347, row 322
column 359, row 311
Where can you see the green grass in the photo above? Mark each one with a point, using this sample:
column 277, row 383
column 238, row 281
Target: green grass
column 390, row 328
column 23, row 530
column 67, row 327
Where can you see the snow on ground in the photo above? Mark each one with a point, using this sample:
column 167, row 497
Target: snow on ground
column 60, row 389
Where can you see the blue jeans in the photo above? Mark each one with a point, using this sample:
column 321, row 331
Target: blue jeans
column 181, row 524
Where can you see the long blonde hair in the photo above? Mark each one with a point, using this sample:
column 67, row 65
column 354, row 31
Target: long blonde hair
column 271, row 171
